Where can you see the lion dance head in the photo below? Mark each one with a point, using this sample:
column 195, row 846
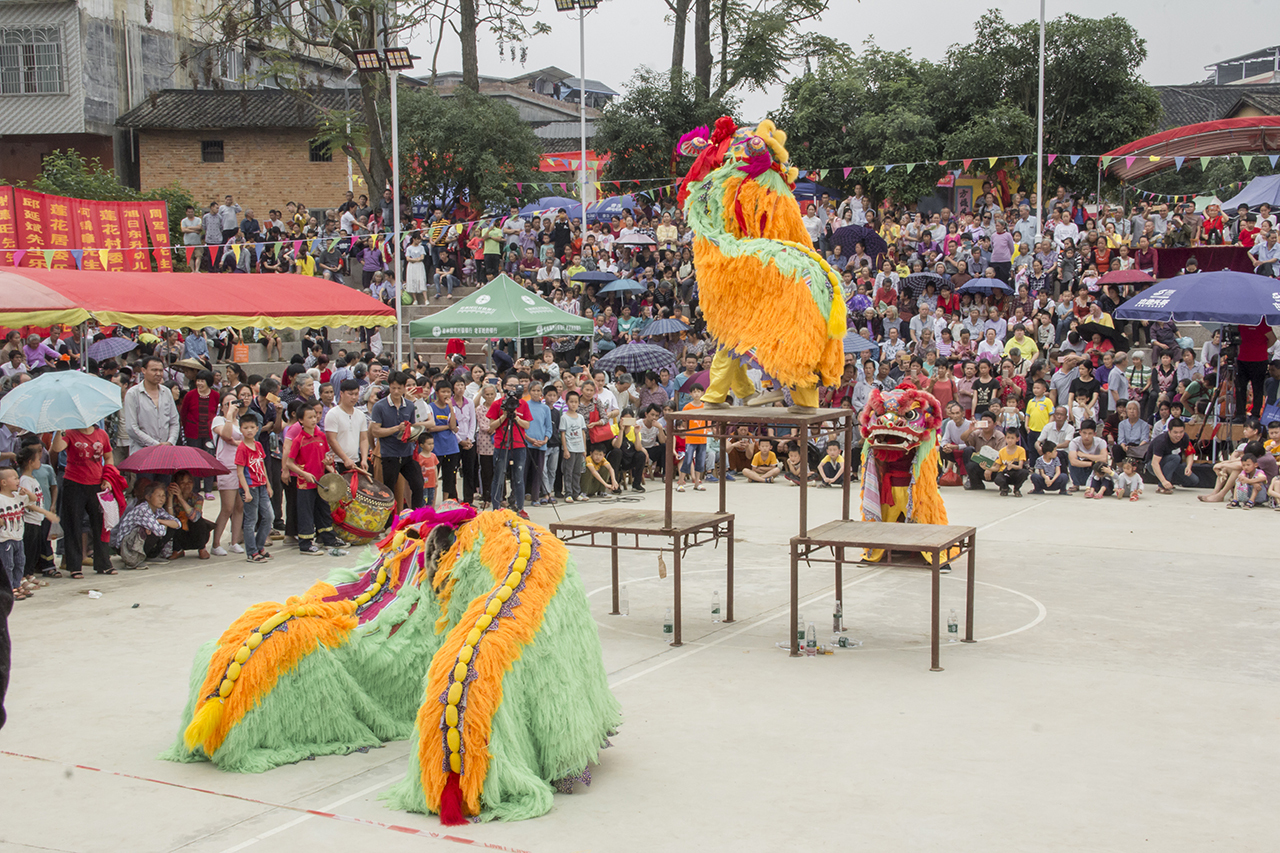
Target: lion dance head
column 896, row 423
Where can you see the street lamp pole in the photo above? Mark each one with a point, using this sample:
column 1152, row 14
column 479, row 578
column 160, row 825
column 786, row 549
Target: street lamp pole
column 1040, row 136
column 394, row 77
column 582, row 115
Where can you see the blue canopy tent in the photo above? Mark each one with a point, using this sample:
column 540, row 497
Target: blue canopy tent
column 1258, row 191
column 806, row 188
column 550, row 205
column 618, row 205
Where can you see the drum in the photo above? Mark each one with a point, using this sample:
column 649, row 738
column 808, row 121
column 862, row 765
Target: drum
column 361, row 516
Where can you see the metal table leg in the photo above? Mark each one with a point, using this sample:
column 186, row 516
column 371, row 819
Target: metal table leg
column 613, row 550
column 675, row 566
column 795, row 598
column 968, row 604
column 937, row 608
column 729, row 572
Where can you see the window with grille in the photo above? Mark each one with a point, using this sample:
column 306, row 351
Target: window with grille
column 211, row 151
column 321, row 152
column 31, row 61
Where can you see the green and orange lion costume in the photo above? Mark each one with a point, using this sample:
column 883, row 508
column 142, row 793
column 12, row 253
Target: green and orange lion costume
column 468, row 633
column 767, row 296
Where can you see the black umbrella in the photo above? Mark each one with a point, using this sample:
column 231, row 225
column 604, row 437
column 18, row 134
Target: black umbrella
column 848, row 236
column 915, row 283
column 1088, row 330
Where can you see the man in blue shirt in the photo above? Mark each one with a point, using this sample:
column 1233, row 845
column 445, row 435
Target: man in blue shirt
column 536, row 438
column 195, row 346
column 388, row 422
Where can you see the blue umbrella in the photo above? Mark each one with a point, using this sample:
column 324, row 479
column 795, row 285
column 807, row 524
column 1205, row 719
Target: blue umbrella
column 854, row 342
column 596, row 277
column 60, row 400
column 1241, row 298
column 664, row 327
column 637, row 358
column 110, row 348
column 984, row 285
column 622, row 285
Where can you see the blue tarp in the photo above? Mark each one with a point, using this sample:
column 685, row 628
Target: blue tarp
column 1259, row 190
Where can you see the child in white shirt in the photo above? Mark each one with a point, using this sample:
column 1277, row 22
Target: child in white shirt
column 1129, row 483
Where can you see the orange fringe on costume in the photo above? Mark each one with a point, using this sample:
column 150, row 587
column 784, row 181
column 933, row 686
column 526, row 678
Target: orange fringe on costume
column 497, row 653
column 752, row 304
column 766, row 213
column 497, row 552
column 327, row 622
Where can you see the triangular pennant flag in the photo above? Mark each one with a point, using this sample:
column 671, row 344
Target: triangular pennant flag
column 519, row 187
column 235, row 250
column 257, row 250
column 1051, row 158
column 297, row 248
column 576, row 164
column 78, row 254
column 1177, row 163
column 910, row 166
column 890, row 166
column 1106, row 162
column 596, row 184
column 216, row 250
column 869, row 168
column 618, row 184
column 943, row 162
column 1204, row 162
column 1022, row 158
column 848, row 169
column 1128, row 161
column 48, row 257
column 18, row 256
column 333, row 243
column 991, row 161
column 1246, row 159
column 102, row 256
column 1273, row 159
column 191, row 250
column 967, row 164
column 955, row 173
column 1154, row 158
column 563, row 187
column 1074, row 158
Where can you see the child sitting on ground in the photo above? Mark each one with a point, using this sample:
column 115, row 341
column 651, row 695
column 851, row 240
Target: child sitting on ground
column 1129, row 483
column 791, row 468
column 831, row 468
column 1249, row 484
column 599, row 476
column 764, row 464
column 1048, row 474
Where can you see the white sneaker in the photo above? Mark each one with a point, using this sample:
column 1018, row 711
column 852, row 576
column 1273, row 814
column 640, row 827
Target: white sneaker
column 237, row 549
column 221, row 552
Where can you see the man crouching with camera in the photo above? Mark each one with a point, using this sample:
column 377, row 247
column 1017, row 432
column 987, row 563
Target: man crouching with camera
column 509, row 442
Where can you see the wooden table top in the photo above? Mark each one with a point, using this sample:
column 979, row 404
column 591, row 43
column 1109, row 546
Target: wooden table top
column 894, row 536
column 761, row 415
column 641, row 521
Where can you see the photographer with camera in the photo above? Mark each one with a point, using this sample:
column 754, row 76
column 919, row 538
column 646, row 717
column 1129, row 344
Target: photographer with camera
column 509, row 442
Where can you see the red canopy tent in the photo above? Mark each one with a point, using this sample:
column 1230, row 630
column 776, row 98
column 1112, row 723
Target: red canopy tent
column 1146, row 156
column 31, row 296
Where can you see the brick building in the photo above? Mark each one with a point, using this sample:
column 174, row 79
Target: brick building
column 255, row 144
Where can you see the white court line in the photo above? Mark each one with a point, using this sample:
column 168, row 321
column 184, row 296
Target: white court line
column 303, row 818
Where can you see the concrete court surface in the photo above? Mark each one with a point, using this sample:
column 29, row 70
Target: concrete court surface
column 1124, row 696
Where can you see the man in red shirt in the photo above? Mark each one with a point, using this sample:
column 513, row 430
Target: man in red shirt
column 509, row 442
column 309, row 458
column 1251, row 366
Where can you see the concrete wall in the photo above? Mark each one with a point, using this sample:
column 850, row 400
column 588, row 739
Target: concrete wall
column 262, row 169
column 60, row 113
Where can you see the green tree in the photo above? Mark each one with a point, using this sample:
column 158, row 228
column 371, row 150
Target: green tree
column 640, row 130
column 979, row 101
column 68, row 173
column 465, row 143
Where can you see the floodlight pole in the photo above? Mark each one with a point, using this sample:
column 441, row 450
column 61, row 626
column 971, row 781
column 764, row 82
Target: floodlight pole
column 582, row 115
column 1040, row 200
column 394, row 76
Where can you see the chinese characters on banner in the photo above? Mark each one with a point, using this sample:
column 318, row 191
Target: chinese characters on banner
column 51, row 230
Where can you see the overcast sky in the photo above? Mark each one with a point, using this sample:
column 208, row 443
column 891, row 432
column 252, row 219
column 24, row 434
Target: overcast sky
column 624, row 34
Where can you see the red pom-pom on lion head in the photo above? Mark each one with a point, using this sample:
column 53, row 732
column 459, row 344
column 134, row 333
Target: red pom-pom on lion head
column 899, row 419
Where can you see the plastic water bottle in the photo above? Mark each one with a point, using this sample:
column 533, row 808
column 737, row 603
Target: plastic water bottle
column 624, row 605
column 837, row 618
column 668, row 623
column 953, row 627
column 715, row 606
column 800, row 628
column 811, row 640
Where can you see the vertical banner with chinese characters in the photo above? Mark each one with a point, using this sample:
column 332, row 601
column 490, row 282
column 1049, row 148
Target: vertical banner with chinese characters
column 157, row 216
column 30, row 225
column 8, row 227
column 136, row 256
column 88, row 236
column 110, row 232
column 59, row 233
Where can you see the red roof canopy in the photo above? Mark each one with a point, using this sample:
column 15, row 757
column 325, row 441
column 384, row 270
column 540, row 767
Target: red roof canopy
column 32, row 296
column 1250, row 134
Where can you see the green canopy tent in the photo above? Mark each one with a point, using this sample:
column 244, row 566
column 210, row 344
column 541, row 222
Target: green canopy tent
column 500, row 309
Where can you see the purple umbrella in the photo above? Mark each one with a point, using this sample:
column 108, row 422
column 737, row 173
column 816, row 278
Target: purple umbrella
column 850, row 235
column 637, row 357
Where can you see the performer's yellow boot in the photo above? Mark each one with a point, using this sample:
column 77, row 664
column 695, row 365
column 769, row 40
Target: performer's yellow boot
column 727, row 374
column 804, row 398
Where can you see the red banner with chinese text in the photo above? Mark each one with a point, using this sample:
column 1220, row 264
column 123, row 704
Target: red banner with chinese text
column 134, row 229
column 87, row 235
column 8, row 226
column 59, row 232
column 157, row 216
column 30, row 225
column 110, row 232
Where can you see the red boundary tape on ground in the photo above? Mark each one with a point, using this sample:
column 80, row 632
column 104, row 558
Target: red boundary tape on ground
column 407, row 830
